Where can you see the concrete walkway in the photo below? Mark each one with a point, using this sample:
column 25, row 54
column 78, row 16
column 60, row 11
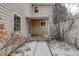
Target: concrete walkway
column 37, row 47
column 42, row 49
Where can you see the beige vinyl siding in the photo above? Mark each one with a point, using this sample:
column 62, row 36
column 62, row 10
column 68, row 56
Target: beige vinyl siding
column 44, row 10
column 6, row 17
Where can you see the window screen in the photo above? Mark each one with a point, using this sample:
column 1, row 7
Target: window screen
column 17, row 21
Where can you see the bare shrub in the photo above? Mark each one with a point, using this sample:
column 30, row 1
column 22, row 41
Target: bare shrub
column 15, row 39
column 4, row 37
column 62, row 22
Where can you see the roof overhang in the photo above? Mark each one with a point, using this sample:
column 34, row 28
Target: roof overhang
column 37, row 17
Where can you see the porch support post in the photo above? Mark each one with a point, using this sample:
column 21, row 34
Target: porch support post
column 49, row 26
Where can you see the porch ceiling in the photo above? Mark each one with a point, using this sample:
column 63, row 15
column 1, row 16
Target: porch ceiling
column 37, row 17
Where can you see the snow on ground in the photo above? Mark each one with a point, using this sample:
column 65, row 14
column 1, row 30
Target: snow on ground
column 27, row 49
column 63, row 49
column 42, row 49
column 33, row 48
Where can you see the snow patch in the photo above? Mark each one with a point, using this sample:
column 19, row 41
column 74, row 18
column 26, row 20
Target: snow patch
column 63, row 49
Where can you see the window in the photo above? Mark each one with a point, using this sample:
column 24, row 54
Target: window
column 36, row 9
column 44, row 24
column 17, row 25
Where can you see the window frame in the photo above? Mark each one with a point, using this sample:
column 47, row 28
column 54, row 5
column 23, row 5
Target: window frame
column 34, row 10
column 17, row 20
column 46, row 24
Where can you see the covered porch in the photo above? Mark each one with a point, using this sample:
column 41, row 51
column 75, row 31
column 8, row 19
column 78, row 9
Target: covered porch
column 38, row 25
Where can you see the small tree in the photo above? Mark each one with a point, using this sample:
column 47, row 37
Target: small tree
column 62, row 22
